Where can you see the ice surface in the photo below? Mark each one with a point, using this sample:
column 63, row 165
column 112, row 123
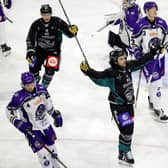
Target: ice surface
column 88, row 139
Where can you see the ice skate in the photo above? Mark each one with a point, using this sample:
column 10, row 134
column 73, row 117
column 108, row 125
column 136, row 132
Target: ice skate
column 126, row 158
column 160, row 116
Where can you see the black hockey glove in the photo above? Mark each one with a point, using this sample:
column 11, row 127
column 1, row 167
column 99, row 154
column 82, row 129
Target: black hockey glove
column 84, row 66
column 73, row 29
column 157, row 49
column 30, row 57
column 156, row 46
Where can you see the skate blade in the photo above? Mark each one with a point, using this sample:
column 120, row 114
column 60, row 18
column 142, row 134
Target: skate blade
column 121, row 162
column 156, row 118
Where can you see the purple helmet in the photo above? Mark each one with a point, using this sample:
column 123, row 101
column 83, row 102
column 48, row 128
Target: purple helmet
column 27, row 78
column 149, row 4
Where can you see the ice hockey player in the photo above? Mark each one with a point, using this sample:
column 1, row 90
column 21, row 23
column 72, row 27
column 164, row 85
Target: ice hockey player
column 29, row 111
column 44, row 44
column 127, row 22
column 152, row 28
column 4, row 48
column 121, row 97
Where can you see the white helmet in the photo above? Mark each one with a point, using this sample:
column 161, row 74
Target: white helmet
column 128, row 3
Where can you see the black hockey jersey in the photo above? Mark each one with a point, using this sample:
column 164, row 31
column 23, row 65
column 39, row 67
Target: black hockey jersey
column 119, row 80
column 47, row 36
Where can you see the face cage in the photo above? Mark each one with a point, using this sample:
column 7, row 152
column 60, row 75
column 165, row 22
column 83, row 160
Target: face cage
column 128, row 4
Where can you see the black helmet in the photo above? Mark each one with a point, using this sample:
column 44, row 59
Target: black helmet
column 114, row 54
column 45, row 9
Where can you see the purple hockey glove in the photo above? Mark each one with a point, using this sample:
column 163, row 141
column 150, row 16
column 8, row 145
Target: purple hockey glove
column 2, row 15
column 137, row 53
column 58, row 120
column 22, row 126
column 7, row 3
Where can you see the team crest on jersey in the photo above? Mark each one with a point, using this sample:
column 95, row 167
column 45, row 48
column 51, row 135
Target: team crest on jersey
column 40, row 112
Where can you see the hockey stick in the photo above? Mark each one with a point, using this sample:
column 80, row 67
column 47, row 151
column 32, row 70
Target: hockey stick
column 53, row 155
column 113, row 18
column 138, row 87
column 103, row 27
column 115, row 15
column 8, row 19
column 80, row 47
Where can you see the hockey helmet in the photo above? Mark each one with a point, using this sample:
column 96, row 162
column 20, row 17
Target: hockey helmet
column 46, row 8
column 114, row 54
column 148, row 5
column 27, row 78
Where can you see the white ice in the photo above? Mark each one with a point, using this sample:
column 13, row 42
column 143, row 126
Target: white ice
column 88, row 139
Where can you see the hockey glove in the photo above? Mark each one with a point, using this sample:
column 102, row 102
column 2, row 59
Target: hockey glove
column 7, row 3
column 137, row 52
column 73, row 29
column 22, row 126
column 84, row 66
column 2, row 15
column 58, row 120
column 157, row 49
column 30, row 57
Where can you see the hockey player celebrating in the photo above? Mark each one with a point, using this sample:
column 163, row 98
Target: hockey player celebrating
column 44, row 44
column 29, row 111
column 4, row 48
column 152, row 28
column 121, row 97
column 127, row 22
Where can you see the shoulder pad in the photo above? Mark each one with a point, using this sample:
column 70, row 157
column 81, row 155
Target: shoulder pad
column 141, row 23
column 161, row 22
column 17, row 99
column 42, row 89
column 56, row 19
